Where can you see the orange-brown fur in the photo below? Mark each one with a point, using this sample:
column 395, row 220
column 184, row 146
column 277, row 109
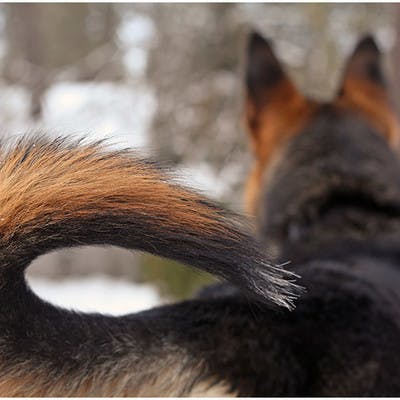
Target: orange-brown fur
column 370, row 100
column 270, row 127
column 89, row 182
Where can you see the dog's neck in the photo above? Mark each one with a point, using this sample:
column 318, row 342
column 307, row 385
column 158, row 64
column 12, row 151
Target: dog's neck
column 335, row 185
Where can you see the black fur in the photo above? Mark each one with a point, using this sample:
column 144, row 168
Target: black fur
column 332, row 208
column 337, row 182
column 265, row 71
column 365, row 62
column 71, row 347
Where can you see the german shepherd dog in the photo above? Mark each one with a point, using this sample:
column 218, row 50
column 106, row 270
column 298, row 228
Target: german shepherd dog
column 326, row 190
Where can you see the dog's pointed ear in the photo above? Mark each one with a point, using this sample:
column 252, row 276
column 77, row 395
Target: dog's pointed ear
column 364, row 64
column 364, row 88
column 275, row 110
column 264, row 72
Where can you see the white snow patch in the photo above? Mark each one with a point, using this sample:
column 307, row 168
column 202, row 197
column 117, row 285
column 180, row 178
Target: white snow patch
column 135, row 29
column 135, row 61
column 99, row 111
column 14, row 109
column 96, row 294
column 203, row 177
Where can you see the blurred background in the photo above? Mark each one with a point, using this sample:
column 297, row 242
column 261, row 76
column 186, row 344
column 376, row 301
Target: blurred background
column 166, row 79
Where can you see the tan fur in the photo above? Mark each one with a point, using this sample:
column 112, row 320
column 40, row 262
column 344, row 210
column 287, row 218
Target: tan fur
column 207, row 389
column 270, row 126
column 88, row 182
column 167, row 377
column 372, row 101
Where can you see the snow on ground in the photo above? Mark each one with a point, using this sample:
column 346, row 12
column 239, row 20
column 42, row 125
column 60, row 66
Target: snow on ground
column 96, row 294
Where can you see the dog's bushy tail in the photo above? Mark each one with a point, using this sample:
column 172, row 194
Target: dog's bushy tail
column 55, row 194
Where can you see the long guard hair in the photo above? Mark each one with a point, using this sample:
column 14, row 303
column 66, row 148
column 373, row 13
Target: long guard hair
column 56, row 194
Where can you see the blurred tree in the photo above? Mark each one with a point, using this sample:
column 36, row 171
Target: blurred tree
column 193, row 67
column 45, row 39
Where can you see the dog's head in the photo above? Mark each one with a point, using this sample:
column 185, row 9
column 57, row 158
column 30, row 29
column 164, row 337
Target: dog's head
column 324, row 173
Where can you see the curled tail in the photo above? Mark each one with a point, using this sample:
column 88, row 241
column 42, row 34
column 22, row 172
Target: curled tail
column 54, row 194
